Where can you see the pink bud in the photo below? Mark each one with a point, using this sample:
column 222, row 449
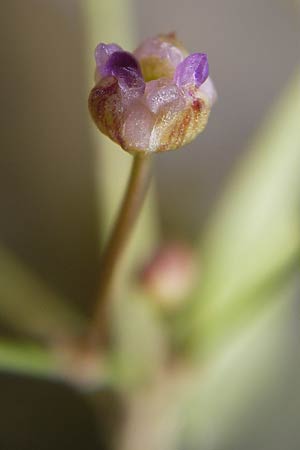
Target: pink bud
column 170, row 274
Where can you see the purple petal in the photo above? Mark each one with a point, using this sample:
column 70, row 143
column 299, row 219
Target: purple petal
column 124, row 67
column 120, row 61
column 192, row 70
column 102, row 54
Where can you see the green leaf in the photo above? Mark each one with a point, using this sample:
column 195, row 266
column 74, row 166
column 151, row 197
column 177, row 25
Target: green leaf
column 28, row 305
column 254, row 233
column 219, row 398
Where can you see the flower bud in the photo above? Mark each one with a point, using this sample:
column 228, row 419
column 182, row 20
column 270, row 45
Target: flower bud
column 156, row 99
column 170, row 274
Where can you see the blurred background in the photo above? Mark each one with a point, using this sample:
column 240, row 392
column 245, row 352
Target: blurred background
column 48, row 196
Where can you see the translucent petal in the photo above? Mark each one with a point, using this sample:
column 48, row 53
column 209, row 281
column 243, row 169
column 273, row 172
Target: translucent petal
column 193, row 70
column 159, row 57
column 137, row 127
column 163, row 93
column 125, row 68
column 208, row 89
column 102, row 54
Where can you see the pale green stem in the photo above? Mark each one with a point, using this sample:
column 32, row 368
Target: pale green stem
column 130, row 208
column 60, row 362
column 28, row 359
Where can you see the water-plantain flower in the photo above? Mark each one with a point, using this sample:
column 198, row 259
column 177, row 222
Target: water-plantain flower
column 156, row 99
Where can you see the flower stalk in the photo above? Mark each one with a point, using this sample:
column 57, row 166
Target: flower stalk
column 131, row 206
column 156, row 99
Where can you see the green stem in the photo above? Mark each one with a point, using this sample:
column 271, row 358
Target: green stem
column 28, row 359
column 59, row 362
column 131, row 206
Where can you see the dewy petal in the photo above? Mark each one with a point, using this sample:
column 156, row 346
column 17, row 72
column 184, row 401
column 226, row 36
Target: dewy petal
column 137, row 128
column 119, row 61
column 159, row 56
column 102, row 54
column 125, row 68
column 193, row 70
column 163, row 93
column 160, row 48
column 208, row 89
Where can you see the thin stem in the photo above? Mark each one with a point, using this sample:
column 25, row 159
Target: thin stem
column 63, row 361
column 131, row 205
column 34, row 360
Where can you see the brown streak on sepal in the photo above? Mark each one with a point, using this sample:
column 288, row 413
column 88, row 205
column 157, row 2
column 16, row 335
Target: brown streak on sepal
column 182, row 128
column 105, row 106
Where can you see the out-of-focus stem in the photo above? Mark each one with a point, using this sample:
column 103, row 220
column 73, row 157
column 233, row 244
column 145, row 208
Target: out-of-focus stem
column 28, row 359
column 131, row 205
column 55, row 362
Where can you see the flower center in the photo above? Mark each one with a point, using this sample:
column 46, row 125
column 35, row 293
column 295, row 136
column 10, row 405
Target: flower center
column 154, row 68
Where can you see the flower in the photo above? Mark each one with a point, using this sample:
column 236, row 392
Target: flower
column 156, row 99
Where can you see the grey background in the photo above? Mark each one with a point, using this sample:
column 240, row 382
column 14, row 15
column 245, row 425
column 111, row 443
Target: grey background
column 253, row 47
